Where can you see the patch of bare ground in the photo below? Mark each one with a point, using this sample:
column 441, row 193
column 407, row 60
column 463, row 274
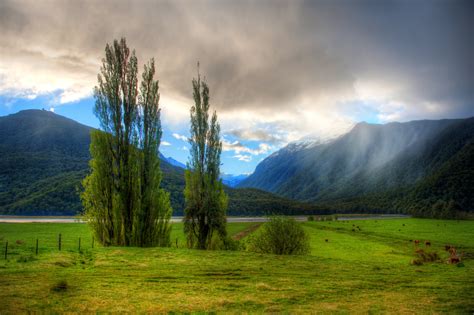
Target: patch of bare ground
column 246, row 232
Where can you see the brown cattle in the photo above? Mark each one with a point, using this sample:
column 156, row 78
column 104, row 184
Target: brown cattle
column 454, row 260
column 417, row 242
column 427, row 243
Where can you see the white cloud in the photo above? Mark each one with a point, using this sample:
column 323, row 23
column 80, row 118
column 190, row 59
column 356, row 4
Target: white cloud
column 180, row 137
column 165, row 143
column 238, row 147
column 31, row 72
column 244, row 158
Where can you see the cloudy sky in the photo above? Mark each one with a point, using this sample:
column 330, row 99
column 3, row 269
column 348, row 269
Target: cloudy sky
column 278, row 70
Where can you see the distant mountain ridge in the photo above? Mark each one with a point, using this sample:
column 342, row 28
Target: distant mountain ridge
column 233, row 180
column 370, row 166
column 172, row 161
column 44, row 157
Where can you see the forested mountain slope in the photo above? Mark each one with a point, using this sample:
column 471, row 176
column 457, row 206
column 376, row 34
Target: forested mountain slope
column 418, row 167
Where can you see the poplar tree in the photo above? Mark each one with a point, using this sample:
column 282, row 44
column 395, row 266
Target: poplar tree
column 155, row 211
column 206, row 202
column 122, row 197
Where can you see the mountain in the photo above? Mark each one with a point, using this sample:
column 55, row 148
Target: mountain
column 44, row 157
column 172, row 161
column 233, row 180
column 423, row 167
column 228, row 179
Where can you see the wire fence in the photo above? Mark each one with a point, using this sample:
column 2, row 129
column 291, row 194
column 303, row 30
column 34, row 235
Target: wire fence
column 37, row 246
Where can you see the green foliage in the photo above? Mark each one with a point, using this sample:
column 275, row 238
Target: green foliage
column 99, row 197
column 122, row 198
column 206, row 201
column 280, row 236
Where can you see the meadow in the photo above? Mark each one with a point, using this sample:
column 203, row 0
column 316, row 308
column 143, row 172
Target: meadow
column 354, row 266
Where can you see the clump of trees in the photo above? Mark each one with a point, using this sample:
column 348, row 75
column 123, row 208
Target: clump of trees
column 122, row 197
column 280, row 236
column 205, row 199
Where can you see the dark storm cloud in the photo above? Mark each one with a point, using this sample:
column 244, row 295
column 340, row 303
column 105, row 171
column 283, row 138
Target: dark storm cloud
column 266, row 56
column 428, row 44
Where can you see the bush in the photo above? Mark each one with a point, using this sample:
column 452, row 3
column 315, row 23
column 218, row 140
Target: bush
column 311, row 218
column 230, row 244
column 280, row 236
column 224, row 243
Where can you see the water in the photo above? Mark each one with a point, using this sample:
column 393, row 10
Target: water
column 70, row 219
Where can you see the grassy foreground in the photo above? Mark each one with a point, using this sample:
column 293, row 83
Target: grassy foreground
column 365, row 270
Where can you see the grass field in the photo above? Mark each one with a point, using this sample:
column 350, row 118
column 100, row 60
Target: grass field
column 365, row 270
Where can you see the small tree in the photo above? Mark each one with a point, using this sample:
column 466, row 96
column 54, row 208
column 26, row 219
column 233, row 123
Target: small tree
column 206, row 202
column 122, row 198
column 280, row 236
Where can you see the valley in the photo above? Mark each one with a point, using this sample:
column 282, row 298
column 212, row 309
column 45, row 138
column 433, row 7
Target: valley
column 423, row 168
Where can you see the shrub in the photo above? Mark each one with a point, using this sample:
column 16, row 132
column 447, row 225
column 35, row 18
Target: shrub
column 280, row 236
column 230, row 244
column 224, row 243
column 311, row 218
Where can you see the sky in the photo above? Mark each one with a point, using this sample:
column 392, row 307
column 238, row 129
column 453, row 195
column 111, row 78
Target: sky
column 278, row 71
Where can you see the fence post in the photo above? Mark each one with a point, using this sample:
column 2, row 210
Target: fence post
column 176, row 242
column 79, row 243
column 59, row 242
column 6, row 250
column 36, row 246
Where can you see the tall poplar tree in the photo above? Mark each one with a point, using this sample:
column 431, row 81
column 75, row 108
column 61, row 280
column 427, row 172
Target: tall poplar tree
column 122, row 198
column 206, row 202
column 155, row 211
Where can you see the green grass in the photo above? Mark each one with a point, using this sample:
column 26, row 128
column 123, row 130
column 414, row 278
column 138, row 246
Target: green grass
column 367, row 270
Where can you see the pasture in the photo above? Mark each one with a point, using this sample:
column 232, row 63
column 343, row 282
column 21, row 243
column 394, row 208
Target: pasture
column 354, row 266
